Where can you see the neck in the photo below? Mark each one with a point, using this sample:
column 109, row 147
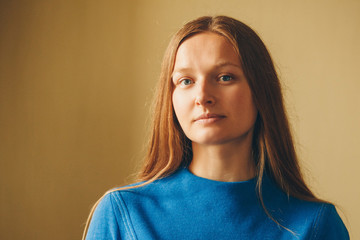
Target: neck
column 230, row 162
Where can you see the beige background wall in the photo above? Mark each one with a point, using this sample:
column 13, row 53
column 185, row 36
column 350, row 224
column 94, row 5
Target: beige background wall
column 76, row 79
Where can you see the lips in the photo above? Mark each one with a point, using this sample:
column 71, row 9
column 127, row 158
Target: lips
column 209, row 117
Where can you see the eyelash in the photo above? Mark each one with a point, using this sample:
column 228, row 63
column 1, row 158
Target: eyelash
column 185, row 79
column 181, row 81
column 226, row 75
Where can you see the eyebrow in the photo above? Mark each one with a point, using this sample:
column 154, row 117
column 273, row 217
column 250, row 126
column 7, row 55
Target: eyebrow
column 223, row 64
column 219, row 65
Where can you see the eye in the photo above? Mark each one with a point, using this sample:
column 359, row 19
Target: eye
column 225, row 78
column 185, row 82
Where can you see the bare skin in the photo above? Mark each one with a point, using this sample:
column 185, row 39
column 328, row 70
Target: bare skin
column 213, row 103
column 226, row 163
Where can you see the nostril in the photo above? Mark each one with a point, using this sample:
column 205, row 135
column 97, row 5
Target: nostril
column 204, row 101
column 198, row 101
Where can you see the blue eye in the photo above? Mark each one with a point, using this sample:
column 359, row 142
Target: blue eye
column 226, row 78
column 185, row 82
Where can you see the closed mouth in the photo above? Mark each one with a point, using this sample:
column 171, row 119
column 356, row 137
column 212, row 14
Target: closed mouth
column 209, row 116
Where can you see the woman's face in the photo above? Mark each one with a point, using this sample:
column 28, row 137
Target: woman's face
column 212, row 99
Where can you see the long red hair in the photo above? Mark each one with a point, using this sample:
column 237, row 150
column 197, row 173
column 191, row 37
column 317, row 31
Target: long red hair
column 273, row 148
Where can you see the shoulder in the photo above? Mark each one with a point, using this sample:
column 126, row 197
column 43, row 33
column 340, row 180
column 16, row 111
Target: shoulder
column 103, row 223
column 316, row 220
column 109, row 220
column 119, row 209
column 328, row 224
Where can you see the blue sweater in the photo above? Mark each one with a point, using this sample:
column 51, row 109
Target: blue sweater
column 184, row 206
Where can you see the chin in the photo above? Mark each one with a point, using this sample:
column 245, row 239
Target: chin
column 218, row 139
column 215, row 140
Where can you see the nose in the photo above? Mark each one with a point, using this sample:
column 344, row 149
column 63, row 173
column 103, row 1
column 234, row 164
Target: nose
column 205, row 95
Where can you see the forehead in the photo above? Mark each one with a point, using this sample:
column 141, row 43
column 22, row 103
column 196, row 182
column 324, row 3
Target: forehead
column 206, row 48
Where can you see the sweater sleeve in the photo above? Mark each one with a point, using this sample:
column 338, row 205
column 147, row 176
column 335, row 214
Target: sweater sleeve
column 104, row 224
column 329, row 225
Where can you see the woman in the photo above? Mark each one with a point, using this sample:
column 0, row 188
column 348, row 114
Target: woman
column 221, row 162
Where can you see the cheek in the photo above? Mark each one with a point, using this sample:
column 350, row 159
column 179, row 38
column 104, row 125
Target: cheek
column 181, row 106
column 244, row 106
